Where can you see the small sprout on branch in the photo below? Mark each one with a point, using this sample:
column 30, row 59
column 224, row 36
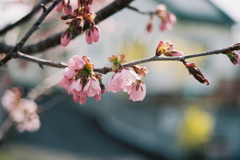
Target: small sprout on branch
column 116, row 61
column 167, row 49
column 234, row 57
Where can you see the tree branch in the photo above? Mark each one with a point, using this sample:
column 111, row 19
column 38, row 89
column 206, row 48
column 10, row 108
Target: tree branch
column 40, row 61
column 54, row 40
column 25, row 18
column 142, row 12
column 105, row 70
column 28, row 34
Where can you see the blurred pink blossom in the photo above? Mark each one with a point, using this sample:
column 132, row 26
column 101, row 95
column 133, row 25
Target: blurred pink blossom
column 22, row 111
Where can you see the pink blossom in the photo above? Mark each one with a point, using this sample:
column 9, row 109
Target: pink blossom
column 25, row 115
column 82, row 97
column 68, row 8
column 137, row 91
column 92, row 34
column 23, row 110
column 122, row 79
column 75, row 87
column 11, row 99
column 168, row 21
column 31, row 124
column 65, row 82
column 80, row 80
column 92, row 87
column 66, row 38
column 171, row 18
column 97, row 97
column 60, row 6
column 76, row 63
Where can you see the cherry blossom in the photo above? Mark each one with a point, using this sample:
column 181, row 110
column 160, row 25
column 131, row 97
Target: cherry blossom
column 168, row 18
column 80, row 80
column 22, row 111
column 121, row 80
column 137, row 91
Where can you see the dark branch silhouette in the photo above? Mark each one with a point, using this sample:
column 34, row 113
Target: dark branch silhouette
column 25, row 18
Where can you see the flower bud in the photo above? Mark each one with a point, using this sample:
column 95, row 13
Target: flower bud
column 141, row 71
column 163, row 47
column 197, row 74
column 66, row 38
column 234, row 57
column 68, row 8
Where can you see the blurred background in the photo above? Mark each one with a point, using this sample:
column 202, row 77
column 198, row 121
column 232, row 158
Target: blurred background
column 180, row 118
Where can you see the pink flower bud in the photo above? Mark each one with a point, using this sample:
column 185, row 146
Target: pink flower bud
column 163, row 47
column 149, row 27
column 92, row 34
column 68, row 9
column 141, row 71
column 66, row 38
column 234, row 57
column 197, row 74
column 60, row 6
column 173, row 53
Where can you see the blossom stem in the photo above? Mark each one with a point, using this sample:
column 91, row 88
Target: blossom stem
column 142, row 12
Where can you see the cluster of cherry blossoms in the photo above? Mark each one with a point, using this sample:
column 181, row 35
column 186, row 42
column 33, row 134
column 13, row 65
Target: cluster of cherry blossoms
column 22, row 111
column 78, row 17
column 127, row 80
column 167, row 18
column 81, row 81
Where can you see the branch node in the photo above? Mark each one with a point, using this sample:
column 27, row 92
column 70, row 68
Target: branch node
column 43, row 7
column 40, row 65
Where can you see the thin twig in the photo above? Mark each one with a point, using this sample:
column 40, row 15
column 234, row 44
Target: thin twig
column 142, row 12
column 105, row 70
column 40, row 61
column 25, row 18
